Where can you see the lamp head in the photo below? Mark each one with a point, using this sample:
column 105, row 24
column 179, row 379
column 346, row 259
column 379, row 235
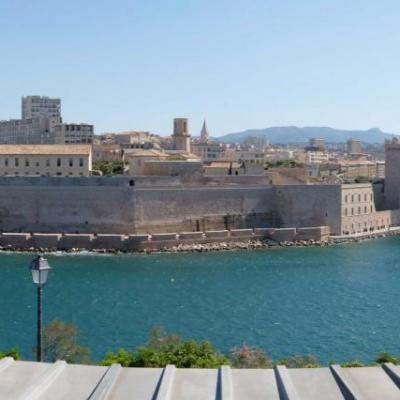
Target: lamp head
column 40, row 269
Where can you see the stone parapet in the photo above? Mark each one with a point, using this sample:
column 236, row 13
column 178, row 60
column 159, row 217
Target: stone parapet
column 70, row 241
column 216, row 234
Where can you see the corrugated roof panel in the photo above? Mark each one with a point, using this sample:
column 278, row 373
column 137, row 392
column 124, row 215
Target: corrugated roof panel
column 254, row 384
column 136, row 383
column 70, row 385
column 372, row 383
column 195, row 384
column 315, row 384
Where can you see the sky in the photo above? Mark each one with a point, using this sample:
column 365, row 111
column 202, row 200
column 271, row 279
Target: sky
column 241, row 64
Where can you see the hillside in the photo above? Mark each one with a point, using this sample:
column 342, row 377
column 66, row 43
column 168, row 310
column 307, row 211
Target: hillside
column 294, row 134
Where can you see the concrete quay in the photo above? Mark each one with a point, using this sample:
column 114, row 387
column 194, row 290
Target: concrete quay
column 185, row 241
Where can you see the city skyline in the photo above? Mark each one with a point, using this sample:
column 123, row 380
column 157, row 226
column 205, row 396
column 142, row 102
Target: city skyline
column 239, row 66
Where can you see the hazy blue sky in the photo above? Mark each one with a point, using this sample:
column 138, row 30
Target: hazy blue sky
column 124, row 64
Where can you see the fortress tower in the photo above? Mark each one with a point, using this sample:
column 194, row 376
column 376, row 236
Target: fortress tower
column 181, row 137
column 392, row 173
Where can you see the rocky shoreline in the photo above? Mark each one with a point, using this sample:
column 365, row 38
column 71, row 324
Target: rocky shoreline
column 251, row 244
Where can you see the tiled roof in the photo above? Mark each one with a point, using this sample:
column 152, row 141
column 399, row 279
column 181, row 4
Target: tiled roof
column 44, row 149
column 46, row 381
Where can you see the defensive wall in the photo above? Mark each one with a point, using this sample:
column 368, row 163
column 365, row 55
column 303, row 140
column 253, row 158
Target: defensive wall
column 134, row 242
column 152, row 205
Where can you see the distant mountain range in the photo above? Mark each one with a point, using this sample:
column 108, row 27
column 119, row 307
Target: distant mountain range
column 294, row 134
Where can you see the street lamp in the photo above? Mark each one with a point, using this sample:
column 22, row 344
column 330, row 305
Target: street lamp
column 40, row 269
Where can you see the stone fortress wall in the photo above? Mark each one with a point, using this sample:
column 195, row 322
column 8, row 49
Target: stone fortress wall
column 135, row 206
column 154, row 205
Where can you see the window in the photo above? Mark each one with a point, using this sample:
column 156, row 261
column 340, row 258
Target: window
column 345, row 211
column 365, row 197
column 345, row 198
column 6, row 162
column 71, row 162
column 16, row 161
column 359, row 210
column 352, row 211
column 371, row 208
column 26, row 162
column 365, row 209
column 58, row 162
column 359, row 197
column 81, row 162
column 37, row 163
column 47, row 163
column 352, row 198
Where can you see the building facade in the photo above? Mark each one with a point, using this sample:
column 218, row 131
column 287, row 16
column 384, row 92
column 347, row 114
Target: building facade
column 40, row 106
column 354, row 146
column 392, row 173
column 37, row 130
column 45, row 160
column 73, row 134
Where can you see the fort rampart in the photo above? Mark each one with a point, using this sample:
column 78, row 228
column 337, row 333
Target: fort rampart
column 162, row 205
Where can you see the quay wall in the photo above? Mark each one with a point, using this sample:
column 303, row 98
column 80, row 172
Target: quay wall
column 132, row 205
column 50, row 241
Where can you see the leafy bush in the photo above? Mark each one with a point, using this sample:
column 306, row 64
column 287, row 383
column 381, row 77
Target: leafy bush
column 387, row 358
column 353, row 364
column 308, row 361
column 60, row 342
column 163, row 349
column 249, row 357
column 14, row 353
column 123, row 357
column 109, row 167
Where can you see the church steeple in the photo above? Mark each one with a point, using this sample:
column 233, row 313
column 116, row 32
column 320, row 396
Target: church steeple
column 204, row 133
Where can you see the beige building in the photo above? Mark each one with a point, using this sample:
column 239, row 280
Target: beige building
column 45, row 160
column 370, row 169
column 209, row 151
column 107, row 152
column 136, row 159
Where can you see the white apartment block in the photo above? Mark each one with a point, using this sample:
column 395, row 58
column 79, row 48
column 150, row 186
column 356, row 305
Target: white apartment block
column 40, row 106
column 45, row 160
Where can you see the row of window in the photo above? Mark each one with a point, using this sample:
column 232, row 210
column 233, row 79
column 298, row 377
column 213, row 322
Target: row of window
column 357, row 211
column 37, row 163
column 347, row 197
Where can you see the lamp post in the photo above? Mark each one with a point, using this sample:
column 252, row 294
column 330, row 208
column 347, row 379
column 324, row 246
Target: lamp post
column 39, row 268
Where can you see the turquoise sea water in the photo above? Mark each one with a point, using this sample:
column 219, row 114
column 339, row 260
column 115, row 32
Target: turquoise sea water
column 339, row 303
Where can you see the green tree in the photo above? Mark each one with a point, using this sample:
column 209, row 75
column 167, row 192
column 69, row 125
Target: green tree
column 308, row 361
column 123, row 357
column 109, row 167
column 60, row 342
column 162, row 349
column 14, row 353
column 249, row 357
column 186, row 354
